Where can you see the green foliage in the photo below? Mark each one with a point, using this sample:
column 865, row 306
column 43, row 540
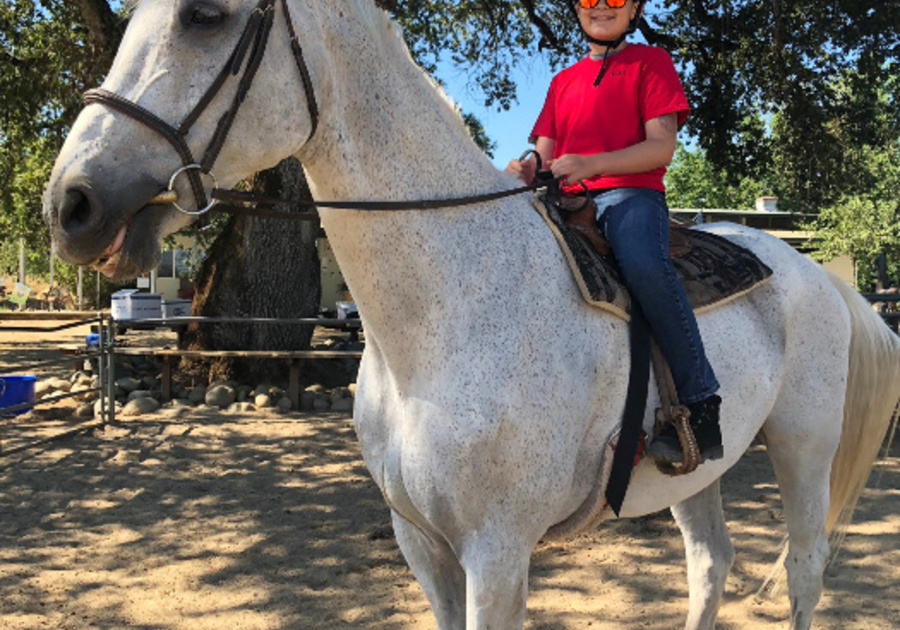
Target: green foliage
column 694, row 182
column 44, row 66
column 864, row 224
column 479, row 135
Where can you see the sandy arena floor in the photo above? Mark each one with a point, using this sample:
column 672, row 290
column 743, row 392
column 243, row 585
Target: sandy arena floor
column 267, row 522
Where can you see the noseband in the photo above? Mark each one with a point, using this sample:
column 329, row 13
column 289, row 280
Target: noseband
column 253, row 41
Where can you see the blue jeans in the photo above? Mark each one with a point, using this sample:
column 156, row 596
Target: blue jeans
column 636, row 224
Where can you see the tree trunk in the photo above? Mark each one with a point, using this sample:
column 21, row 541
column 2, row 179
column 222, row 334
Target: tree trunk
column 259, row 267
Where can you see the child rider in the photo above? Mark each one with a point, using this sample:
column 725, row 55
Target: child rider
column 609, row 121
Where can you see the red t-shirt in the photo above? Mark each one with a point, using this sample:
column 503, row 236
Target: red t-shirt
column 640, row 84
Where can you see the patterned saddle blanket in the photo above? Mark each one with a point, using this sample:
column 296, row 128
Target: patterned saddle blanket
column 712, row 269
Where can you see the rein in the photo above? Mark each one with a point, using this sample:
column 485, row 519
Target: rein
column 230, row 198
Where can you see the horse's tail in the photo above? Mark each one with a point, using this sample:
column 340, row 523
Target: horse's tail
column 870, row 405
column 870, row 409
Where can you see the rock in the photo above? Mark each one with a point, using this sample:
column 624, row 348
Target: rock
column 197, row 395
column 339, row 393
column 315, row 389
column 127, row 384
column 63, row 385
column 241, row 407
column 321, row 404
column 42, row 388
column 181, row 402
column 97, row 408
column 139, row 393
column 85, row 411
column 262, row 400
column 307, row 399
column 220, row 396
column 283, row 405
column 140, row 406
column 351, row 389
column 83, row 387
column 344, row 404
column 243, row 392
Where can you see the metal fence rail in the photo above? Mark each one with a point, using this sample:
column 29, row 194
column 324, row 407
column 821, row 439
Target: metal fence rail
column 103, row 359
column 354, row 325
column 890, row 313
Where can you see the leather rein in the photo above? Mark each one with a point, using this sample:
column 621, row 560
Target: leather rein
column 252, row 46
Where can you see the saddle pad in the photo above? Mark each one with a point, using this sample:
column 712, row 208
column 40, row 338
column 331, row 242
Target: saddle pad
column 714, row 271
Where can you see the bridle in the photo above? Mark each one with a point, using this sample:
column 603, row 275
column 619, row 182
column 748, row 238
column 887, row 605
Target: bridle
column 252, row 46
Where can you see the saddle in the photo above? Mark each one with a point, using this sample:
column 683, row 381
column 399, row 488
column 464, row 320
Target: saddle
column 579, row 214
column 712, row 269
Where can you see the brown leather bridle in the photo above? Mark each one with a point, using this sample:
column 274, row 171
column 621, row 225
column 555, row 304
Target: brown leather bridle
column 252, row 46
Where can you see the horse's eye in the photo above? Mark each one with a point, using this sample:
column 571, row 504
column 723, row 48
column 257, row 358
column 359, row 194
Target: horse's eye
column 205, row 15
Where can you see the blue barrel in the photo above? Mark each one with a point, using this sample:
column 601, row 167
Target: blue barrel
column 16, row 390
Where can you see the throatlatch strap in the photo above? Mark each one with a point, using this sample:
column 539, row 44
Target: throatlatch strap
column 635, row 405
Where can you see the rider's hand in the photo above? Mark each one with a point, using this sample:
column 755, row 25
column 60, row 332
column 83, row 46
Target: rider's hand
column 523, row 169
column 572, row 168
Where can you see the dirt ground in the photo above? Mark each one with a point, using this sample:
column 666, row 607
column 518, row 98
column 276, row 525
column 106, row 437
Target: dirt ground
column 271, row 522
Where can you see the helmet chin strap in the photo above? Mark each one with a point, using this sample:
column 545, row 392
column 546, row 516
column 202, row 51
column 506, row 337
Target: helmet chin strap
column 611, row 44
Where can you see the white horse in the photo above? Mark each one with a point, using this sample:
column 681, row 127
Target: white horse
column 488, row 387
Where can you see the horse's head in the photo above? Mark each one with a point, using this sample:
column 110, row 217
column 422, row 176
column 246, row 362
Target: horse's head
column 157, row 112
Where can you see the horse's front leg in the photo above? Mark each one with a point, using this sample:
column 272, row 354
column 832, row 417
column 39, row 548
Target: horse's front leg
column 484, row 590
column 496, row 582
column 709, row 554
column 437, row 570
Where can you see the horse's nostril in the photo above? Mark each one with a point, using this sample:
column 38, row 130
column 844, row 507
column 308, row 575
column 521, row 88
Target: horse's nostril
column 75, row 212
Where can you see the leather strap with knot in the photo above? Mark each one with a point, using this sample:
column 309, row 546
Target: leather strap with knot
column 676, row 414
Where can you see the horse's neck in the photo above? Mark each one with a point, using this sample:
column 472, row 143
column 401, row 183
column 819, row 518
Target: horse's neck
column 387, row 134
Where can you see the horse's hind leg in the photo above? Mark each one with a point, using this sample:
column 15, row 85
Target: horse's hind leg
column 438, row 572
column 709, row 554
column 802, row 463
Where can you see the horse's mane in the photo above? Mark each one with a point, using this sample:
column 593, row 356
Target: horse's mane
column 389, row 36
column 128, row 8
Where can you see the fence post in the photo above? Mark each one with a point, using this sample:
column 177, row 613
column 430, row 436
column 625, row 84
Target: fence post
column 22, row 273
column 101, row 368
column 111, row 369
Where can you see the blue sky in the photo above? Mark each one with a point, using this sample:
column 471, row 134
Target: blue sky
column 509, row 129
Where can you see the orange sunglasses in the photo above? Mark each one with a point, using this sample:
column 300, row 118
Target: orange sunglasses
column 612, row 4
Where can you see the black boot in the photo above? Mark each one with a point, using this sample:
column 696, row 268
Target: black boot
column 705, row 425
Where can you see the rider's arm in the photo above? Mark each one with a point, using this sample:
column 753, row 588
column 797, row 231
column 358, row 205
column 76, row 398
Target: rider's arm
column 652, row 153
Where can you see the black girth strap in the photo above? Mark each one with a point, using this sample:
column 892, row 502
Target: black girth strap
column 635, row 405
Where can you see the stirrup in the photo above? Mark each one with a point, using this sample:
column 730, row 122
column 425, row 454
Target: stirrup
column 679, row 417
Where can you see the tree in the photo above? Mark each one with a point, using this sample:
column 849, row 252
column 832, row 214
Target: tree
column 693, row 182
column 865, row 224
column 260, row 267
